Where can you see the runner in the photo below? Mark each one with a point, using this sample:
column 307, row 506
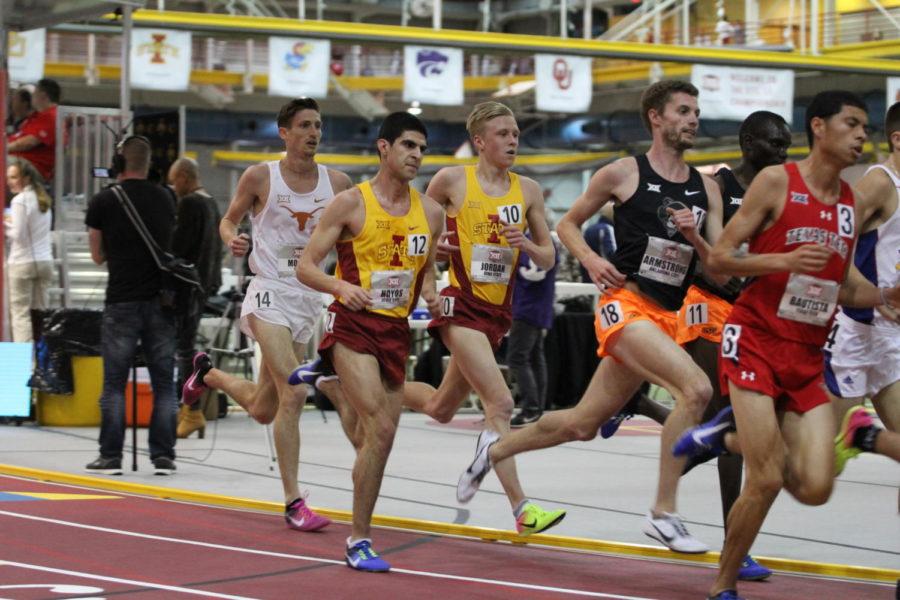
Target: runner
column 383, row 231
column 285, row 199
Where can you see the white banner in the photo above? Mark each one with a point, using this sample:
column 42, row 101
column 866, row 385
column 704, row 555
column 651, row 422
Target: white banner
column 26, row 55
column 160, row 59
column 893, row 91
column 433, row 75
column 564, row 83
column 299, row 68
column 732, row 93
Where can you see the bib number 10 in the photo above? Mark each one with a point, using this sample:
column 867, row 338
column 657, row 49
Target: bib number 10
column 510, row 213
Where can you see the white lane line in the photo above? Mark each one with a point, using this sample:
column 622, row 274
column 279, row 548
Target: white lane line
column 147, row 536
column 148, row 584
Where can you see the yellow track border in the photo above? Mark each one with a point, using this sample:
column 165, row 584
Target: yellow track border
column 464, row 531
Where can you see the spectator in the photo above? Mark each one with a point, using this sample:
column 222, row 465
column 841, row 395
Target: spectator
column 19, row 108
column 133, row 310
column 36, row 138
column 532, row 313
column 30, row 256
column 601, row 238
column 196, row 240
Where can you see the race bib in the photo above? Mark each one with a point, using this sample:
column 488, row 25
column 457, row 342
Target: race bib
column 610, row 314
column 665, row 261
column 491, row 264
column 808, row 299
column 390, row 289
column 696, row 314
column 288, row 257
column 511, row 213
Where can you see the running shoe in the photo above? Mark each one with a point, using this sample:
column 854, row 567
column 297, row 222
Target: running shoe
column 524, row 418
column 752, row 571
column 163, row 465
column 362, row 557
column 313, row 372
column 726, row 595
column 609, row 429
column 706, row 440
column 194, row 387
column 670, row 530
column 470, row 480
column 534, row 519
column 298, row 515
column 844, row 449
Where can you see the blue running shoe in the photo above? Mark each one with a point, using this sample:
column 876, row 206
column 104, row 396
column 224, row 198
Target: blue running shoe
column 753, row 571
column 706, row 439
column 609, row 429
column 726, row 595
column 363, row 557
column 306, row 373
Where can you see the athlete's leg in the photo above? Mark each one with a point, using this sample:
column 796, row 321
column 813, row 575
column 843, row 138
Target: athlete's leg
column 887, row 405
column 349, row 419
column 840, row 406
column 764, row 460
column 441, row 403
column 378, row 409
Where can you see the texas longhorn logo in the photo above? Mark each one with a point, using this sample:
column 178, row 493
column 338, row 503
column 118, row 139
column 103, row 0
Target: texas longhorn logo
column 302, row 218
column 157, row 49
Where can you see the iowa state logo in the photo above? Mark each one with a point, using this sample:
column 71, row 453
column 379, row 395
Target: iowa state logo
column 158, row 49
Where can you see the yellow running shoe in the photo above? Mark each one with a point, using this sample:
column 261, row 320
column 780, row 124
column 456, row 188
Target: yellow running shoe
column 534, row 519
column 844, row 450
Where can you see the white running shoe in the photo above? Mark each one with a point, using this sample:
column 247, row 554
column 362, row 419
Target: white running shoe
column 471, row 478
column 670, row 530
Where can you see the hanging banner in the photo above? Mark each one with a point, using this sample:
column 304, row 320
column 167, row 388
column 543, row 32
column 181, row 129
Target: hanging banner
column 160, row 59
column 893, row 91
column 26, row 55
column 433, row 75
column 564, row 83
column 732, row 93
column 299, row 68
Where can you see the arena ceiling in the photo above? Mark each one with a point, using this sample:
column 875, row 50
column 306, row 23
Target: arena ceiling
column 21, row 15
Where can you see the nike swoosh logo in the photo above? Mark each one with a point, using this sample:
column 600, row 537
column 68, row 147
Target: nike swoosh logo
column 708, row 431
column 317, row 200
column 687, row 193
column 413, row 227
column 532, row 524
column 668, row 538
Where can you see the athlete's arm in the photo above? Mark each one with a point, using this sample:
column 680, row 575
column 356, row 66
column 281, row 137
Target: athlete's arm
column 875, row 194
column 340, row 181
column 760, row 207
column 435, row 215
column 343, row 218
column 251, row 183
column 858, row 292
column 540, row 247
column 601, row 189
column 441, row 189
column 688, row 226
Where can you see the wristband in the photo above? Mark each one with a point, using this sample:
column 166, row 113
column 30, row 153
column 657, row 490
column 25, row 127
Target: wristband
column 884, row 300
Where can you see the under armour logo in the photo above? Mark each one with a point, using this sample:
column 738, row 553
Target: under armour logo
column 824, row 214
column 745, row 375
column 654, row 187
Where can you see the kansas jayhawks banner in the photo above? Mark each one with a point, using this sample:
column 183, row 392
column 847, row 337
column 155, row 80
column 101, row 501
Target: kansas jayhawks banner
column 299, row 67
column 160, row 59
column 433, row 75
column 564, row 83
column 26, row 55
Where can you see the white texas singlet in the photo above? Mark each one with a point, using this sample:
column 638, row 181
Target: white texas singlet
column 282, row 228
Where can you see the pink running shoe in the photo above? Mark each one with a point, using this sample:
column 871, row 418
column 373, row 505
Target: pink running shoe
column 844, row 449
column 299, row 516
column 194, row 387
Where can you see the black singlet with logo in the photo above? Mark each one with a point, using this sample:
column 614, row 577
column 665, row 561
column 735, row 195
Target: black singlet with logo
column 650, row 250
column 732, row 196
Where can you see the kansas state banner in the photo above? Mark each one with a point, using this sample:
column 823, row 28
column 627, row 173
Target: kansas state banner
column 160, row 59
column 299, row 67
column 433, row 75
column 564, row 83
column 26, row 55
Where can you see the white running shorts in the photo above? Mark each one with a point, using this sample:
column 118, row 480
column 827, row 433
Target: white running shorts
column 860, row 359
column 282, row 303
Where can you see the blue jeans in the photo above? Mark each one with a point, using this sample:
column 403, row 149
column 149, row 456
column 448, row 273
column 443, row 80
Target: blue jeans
column 124, row 324
column 525, row 357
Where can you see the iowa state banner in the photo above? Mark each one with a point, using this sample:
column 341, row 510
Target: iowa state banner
column 299, row 67
column 160, row 59
column 433, row 75
column 564, row 83
column 26, row 55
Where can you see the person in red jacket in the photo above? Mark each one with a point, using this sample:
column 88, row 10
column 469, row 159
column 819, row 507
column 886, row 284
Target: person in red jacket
column 35, row 139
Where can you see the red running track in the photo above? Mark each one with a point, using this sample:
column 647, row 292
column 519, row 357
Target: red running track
column 126, row 545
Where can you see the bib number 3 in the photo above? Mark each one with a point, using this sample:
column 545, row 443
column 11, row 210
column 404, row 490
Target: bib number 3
column 730, row 336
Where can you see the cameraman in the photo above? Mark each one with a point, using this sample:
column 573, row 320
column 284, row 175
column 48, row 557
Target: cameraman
column 133, row 311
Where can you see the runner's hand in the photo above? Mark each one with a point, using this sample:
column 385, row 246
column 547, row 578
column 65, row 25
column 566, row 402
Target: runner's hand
column 603, row 273
column 433, row 302
column 239, row 245
column 444, row 247
column 808, row 258
column 515, row 237
column 353, row 296
column 892, row 297
column 684, row 220
column 891, row 314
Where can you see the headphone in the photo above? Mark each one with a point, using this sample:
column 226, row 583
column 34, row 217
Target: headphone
column 118, row 160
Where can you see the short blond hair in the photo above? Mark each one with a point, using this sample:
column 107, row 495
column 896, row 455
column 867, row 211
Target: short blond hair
column 484, row 112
